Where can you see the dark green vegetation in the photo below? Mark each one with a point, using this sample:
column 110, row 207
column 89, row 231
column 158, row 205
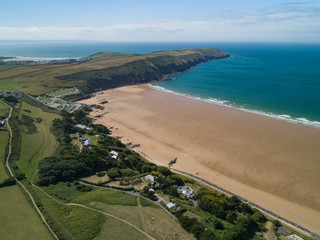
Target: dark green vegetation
column 105, row 70
column 69, row 164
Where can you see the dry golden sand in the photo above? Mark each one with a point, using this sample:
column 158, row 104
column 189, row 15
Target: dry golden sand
column 270, row 162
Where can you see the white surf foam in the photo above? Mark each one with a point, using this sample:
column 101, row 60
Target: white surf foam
column 225, row 103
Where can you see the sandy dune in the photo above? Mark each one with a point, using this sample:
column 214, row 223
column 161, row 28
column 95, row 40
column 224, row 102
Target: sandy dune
column 270, row 162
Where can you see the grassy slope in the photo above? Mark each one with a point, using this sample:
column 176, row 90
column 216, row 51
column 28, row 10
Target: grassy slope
column 3, row 140
column 4, row 135
column 18, row 220
column 7, row 84
column 116, row 203
column 36, row 146
column 45, row 80
column 4, row 110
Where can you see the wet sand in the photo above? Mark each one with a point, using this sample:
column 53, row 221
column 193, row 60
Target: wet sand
column 273, row 163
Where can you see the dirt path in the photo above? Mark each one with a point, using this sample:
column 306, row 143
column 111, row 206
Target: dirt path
column 24, row 188
column 141, row 215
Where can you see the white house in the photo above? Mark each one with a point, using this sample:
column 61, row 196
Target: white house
column 150, row 178
column 114, row 154
column 186, row 191
column 83, row 127
column 171, row 205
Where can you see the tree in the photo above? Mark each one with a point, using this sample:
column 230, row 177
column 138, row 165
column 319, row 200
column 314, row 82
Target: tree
column 231, row 216
column 277, row 223
column 259, row 217
column 164, row 171
column 173, row 192
column 176, row 180
column 217, row 224
column 114, row 173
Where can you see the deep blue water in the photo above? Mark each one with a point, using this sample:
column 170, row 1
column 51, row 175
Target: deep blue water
column 279, row 80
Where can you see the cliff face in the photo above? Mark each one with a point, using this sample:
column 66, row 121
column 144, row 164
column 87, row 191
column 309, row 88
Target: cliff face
column 150, row 68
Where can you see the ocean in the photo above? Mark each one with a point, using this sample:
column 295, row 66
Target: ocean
column 278, row 80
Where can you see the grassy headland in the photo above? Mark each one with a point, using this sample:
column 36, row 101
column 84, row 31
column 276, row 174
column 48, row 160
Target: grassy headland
column 106, row 70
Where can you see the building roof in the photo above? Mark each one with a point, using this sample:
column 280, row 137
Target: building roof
column 186, row 191
column 283, row 230
column 87, row 142
column 82, row 127
column 294, row 237
column 150, row 178
column 114, row 154
column 171, row 205
column 84, row 138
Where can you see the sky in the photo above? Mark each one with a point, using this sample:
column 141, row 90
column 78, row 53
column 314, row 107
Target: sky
column 161, row 21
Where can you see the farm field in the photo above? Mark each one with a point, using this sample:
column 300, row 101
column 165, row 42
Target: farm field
column 7, row 67
column 4, row 110
column 17, row 71
column 18, row 219
column 36, row 145
column 3, row 139
column 7, row 84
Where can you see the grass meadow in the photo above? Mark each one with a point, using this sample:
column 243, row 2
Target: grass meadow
column 4, row 135
column 7, row 84
column 38, row 145
column 18, row 219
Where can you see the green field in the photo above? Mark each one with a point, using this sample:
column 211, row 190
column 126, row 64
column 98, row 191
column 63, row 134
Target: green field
column 3, row 139
column 4, row 110
column 39, row 145
column 123, row 210
column 18, row 220
column 8, row 67
column 7, row 84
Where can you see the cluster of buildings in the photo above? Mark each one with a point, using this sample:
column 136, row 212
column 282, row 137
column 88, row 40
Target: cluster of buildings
column 17, row 95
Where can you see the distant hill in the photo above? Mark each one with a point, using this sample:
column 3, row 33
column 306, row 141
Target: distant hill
column 104, row 70
column 144, row 69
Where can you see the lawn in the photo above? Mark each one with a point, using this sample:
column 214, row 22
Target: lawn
column 4, row 110
column 70, row 222
column 18, row 219
column 39, row 145
column 107, row 197
column 3, row 139
column 7, row 84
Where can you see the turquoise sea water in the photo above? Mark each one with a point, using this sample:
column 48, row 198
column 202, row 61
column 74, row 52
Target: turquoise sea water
column 278, row 80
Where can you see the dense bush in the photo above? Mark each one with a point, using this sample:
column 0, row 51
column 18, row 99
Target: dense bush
column 8, row 182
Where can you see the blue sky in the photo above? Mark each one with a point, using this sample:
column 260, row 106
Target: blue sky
column 175, row 20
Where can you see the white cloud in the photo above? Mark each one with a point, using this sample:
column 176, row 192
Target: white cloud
column 278, row 23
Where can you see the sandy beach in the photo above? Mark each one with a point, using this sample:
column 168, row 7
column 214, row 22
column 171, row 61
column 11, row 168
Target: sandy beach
column 273, row 163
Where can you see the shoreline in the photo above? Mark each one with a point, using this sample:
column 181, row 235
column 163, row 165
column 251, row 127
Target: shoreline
column 284, row 117
column 233, row 149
